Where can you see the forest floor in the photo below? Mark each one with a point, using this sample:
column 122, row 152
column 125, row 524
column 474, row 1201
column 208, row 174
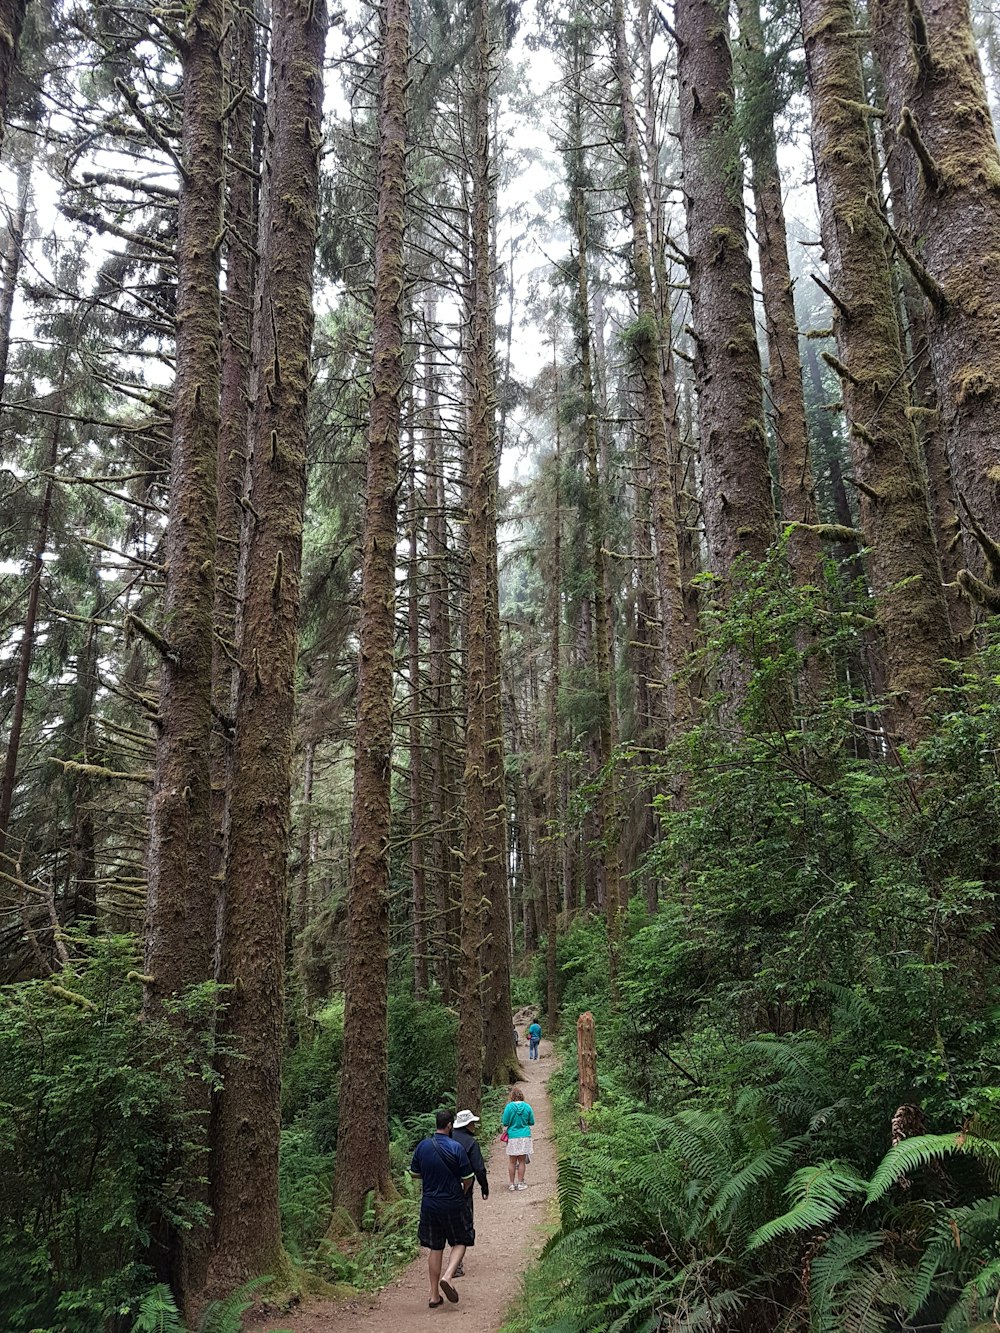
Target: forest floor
column 510, row 1231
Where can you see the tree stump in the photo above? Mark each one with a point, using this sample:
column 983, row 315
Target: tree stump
column 586, row 1055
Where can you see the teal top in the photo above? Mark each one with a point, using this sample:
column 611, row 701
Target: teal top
column 535, row 1031
column 518, row 1117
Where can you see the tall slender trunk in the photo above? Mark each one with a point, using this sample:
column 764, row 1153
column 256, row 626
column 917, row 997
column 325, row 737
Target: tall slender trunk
column 363, row 1138
column 552, row 724
column 11, row 270
column 418, row 876
column 784, row 366
column 181, row 896
column 736, row 483
column 950, row 175
column 246, row 1228
column 302, row 886
column 26, row 647
column 895, row 514
column 605, row 811
column 482, row 402
column 646, row 339
column 439, row 677
column 237, row 321
column 11, row 22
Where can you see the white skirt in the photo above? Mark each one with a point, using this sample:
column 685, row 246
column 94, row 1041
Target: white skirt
column 519, row 1147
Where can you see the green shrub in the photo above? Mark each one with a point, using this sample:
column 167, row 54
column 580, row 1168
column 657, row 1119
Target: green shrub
column 93, row 1135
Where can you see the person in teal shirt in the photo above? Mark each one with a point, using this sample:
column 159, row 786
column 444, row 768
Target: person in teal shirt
column 534, row 1037
column 518, row 1117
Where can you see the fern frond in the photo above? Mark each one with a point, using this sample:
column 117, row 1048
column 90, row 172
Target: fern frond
column 750, row 1177
column 227, row 1316
column 819, row 1193
column 911, row 1154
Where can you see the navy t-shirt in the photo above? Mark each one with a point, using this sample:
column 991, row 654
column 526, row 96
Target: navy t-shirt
column 442, row 1165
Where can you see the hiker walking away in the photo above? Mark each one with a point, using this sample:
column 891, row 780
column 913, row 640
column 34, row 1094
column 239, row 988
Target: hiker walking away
column 534, row 1037
column 518, row 1117
column 443, row 1168
column 464, row 1133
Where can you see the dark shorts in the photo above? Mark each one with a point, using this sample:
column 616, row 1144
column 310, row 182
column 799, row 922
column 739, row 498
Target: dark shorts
column 439, row 1229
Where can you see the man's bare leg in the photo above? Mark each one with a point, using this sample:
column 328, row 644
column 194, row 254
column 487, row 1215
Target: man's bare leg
column 434, row 1258
column 454, row 1259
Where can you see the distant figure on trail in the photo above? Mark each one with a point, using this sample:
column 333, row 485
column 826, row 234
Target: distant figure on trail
column 442, row 1166
column 465, row 1134
column 518, row 1117
column 534, row 1037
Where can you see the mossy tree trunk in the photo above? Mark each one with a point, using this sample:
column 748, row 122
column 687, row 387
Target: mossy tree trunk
column 440, row 696
column 605, row 809
column 552, row 722
column 363, row 1138
column 784, row 366
column 895, row 514
column 647, row 343
column 481, row 413
column 950, row 176
column 241, row 59
column 418, row 860
column 736, row 483
column 11, row 22
column 246, row 1237
column 182, row 896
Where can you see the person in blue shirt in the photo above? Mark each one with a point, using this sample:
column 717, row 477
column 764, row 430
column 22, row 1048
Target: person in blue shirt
column 534, row 1037
column 445, row 1173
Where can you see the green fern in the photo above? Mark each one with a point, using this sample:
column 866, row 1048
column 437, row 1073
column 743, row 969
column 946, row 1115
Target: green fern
column 227, row 1316
column 911, row 1154
column 819, row 1193
column 158, row 1312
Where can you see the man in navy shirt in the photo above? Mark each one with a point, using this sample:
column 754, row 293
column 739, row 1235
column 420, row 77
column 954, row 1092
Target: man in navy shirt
column 443, row 1168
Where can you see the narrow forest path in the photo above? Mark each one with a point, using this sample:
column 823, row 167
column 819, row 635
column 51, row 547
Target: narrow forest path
column 510, row 1230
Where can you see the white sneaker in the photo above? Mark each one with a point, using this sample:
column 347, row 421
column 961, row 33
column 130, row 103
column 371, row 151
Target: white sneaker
column 521, row 1185
column 511, row 1189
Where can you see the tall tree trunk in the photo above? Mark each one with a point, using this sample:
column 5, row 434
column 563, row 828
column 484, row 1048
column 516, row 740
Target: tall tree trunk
column 784, row 366
column 26, row 647
column 895, row 514
column 418, row 877
column 13, row 253
column 302, row 904
column 237, row 332
column 552, row 725
column 736, row 483
column 439, row 676
column 363, row 1137
column 646, row 340
column 182, row 897
column 950, row 172
column 11, row 23
column 482, row 405
column 246, row 1227
column 927, row 416
column 605, row 811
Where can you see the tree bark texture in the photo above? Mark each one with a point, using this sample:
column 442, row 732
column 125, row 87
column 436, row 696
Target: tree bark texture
column 950, row 169
column 646, row 338
column 552, row 727
column 246, row 1233
column 180, row 908
column 482, row 406
column 237, row 320
column 736, row 483
column 895, row 514
column 418, row 873
column 13, row 253
column 784, row 365
column 11, row 23
column 363, row 1138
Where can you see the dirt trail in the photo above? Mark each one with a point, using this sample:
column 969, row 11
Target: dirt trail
column 510, row 1230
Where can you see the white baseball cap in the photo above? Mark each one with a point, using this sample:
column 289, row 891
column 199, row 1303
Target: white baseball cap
column 465, row 1118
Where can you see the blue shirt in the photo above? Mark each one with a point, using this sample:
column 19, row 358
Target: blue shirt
column 442, row 1165
column 535, row 1031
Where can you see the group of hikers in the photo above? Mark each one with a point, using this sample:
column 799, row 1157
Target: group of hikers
column 448, row 1164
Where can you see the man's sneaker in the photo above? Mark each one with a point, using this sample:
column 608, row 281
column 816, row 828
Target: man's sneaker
column 459, row 1271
